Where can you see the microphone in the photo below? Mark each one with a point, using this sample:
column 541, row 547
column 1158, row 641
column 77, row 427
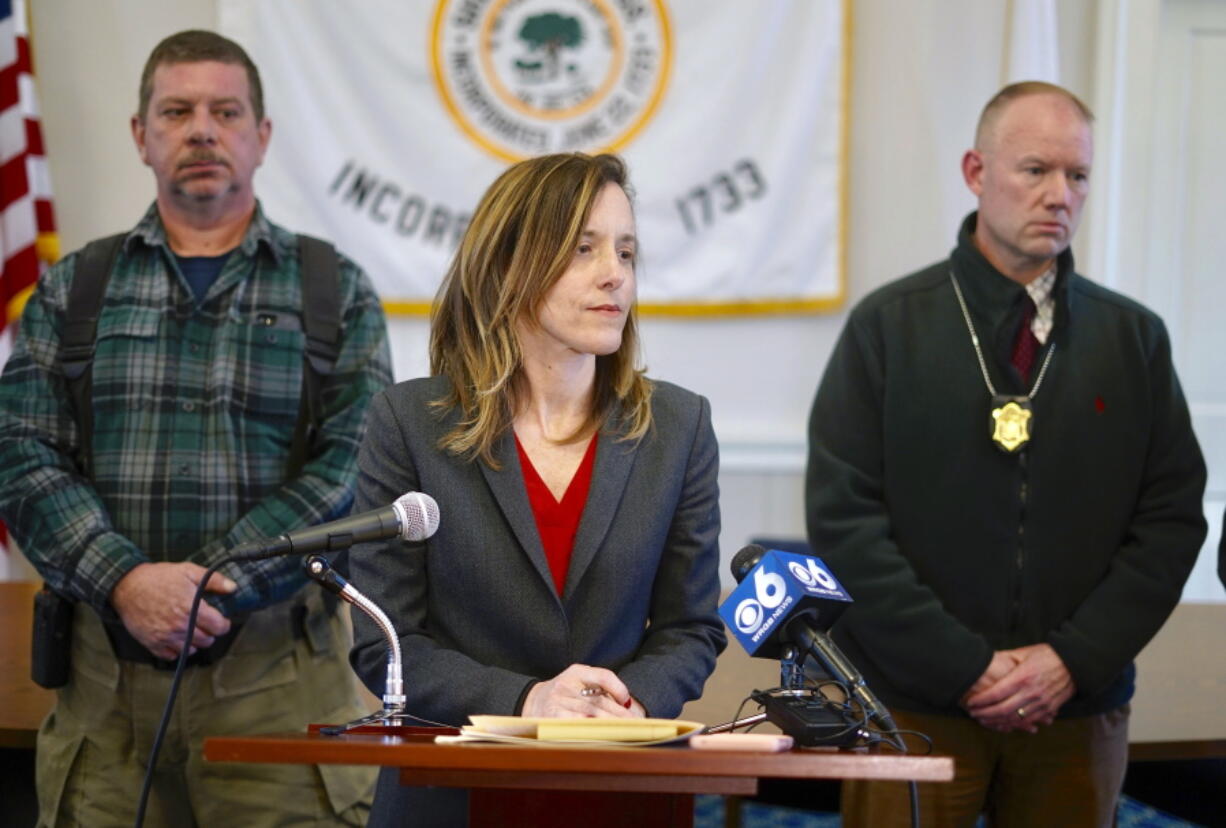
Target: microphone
column 774, row 589
column 785, row 600
column 413, row 517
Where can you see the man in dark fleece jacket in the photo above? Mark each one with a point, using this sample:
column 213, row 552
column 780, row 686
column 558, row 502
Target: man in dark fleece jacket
column 1002, row 472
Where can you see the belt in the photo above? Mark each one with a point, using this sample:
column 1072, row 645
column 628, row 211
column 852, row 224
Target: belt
column 128, row 648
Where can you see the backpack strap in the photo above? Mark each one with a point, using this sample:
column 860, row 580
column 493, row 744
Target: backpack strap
column 320, row 275
column 90, row 275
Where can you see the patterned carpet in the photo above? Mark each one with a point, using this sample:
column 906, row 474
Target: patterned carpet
column 709, row 813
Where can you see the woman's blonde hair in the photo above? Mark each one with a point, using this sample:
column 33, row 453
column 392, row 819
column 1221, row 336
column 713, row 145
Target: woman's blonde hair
column 518, row 244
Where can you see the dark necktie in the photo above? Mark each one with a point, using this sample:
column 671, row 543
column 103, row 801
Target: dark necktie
column 1026, row 345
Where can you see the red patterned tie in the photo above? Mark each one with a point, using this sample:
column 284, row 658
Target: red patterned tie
column 1026, row 345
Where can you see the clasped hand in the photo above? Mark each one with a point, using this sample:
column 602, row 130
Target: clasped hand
column 154, row 601
column 581, row 691
column 1021, row 689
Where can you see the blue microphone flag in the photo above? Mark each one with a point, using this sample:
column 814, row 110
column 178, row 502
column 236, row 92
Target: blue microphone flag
column 780, row 586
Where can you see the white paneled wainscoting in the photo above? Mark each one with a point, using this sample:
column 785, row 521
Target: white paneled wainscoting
column 762, row 495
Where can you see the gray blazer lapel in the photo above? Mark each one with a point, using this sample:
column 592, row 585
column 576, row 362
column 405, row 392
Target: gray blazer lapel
column 507, row 485
column 614, row 460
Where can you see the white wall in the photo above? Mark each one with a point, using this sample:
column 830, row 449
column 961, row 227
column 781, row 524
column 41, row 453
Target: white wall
column 921, row 71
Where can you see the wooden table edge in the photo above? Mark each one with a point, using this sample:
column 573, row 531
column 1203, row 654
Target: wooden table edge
column 391, row 751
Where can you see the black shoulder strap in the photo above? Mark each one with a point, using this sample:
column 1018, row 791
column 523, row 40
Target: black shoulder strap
column 320, row 302
column 320, row 274
column 90, row 275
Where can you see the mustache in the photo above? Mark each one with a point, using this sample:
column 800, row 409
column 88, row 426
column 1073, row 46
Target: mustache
column 201, row 157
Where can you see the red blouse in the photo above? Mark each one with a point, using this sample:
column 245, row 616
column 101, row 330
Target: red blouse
column 558, row 521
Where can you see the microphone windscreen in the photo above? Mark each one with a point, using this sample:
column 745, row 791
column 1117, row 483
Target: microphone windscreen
column 420, row 515
column 746, row 559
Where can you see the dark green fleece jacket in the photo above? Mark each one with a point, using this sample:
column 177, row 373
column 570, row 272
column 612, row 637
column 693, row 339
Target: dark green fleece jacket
column 953, row 549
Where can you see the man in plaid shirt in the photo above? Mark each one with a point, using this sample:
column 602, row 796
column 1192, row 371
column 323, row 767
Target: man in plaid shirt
column 197, row 380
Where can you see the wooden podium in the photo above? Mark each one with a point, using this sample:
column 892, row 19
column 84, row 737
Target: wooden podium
column 568, row 785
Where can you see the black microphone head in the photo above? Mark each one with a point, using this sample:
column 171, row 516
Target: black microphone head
column 746, row 559
column 418, row 514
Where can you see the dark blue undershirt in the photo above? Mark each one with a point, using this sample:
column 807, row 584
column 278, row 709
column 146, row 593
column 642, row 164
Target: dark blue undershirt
column 202, row 271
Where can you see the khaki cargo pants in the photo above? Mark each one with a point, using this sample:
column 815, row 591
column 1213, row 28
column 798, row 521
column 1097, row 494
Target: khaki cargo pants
column 94, row 746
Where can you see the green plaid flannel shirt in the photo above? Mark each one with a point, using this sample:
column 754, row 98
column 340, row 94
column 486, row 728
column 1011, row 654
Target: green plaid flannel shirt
column 194, row 410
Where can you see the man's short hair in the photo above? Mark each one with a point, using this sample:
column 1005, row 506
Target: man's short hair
column 194, row 46
column 1001, row 100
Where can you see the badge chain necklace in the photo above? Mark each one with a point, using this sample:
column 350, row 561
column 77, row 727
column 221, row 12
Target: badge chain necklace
column 1012, row 418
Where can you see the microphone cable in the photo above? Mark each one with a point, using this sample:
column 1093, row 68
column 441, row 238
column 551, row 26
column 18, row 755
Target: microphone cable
column 147, row 785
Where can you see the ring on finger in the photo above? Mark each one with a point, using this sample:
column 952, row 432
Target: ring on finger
column 1021, row 712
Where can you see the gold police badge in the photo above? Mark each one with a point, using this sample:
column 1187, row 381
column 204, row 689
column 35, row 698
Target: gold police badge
column 1011, row 422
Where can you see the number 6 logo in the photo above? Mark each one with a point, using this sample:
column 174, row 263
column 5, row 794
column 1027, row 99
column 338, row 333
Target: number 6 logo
column 769, row 591
column 812, row 574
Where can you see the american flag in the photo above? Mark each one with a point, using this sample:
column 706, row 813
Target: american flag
column 27, row 225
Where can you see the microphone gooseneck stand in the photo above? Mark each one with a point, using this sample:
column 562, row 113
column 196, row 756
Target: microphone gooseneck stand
column 413, row 516
column 319, row 570
column 393, row 714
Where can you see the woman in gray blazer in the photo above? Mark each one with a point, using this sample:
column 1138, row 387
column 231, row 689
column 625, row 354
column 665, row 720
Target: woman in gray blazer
column 536, row 388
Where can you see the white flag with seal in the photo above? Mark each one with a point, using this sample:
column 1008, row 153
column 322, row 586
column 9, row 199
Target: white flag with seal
column 392, row 117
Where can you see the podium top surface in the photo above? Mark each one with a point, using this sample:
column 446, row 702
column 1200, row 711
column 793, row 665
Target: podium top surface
column 419, row 752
